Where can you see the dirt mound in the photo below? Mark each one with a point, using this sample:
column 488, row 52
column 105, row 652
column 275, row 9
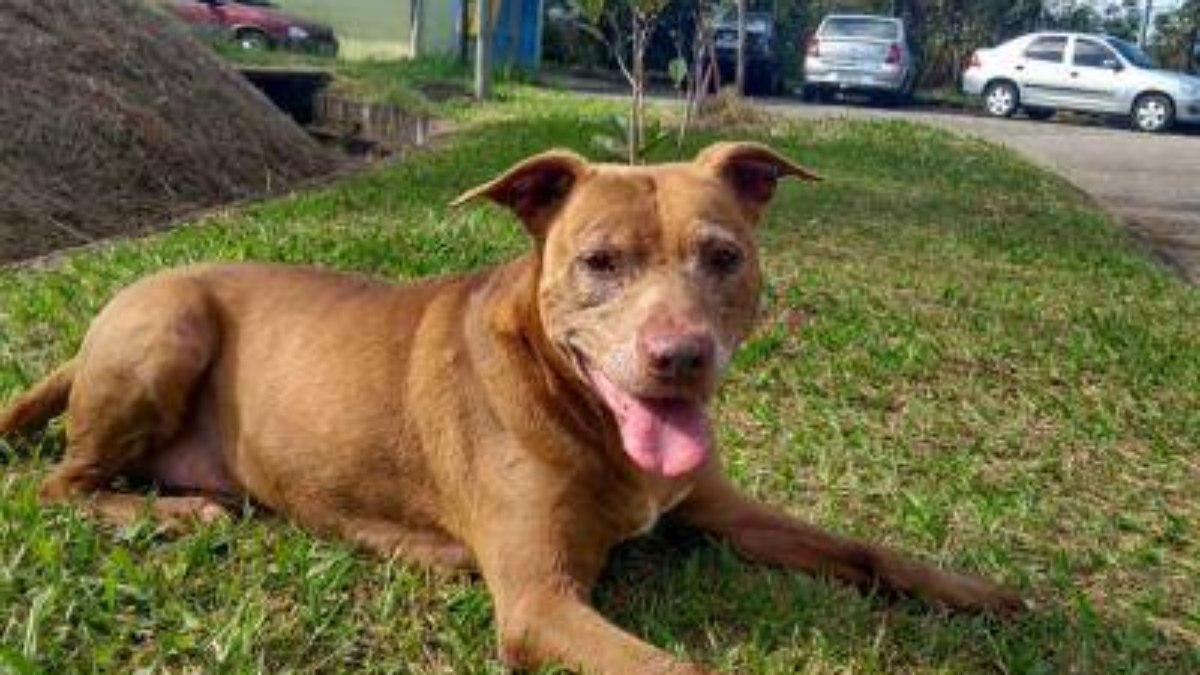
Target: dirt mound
column 113, row 120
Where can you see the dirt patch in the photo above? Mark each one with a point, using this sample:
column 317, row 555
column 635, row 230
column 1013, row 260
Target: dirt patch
column 113, row 120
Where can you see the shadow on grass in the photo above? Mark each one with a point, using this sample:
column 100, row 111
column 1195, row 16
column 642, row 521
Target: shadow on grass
column 684, row 591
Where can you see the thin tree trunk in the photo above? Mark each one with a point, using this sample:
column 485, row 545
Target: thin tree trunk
column 698, row 83
column 1193, row 59
column 914, row 20
column 639, row 81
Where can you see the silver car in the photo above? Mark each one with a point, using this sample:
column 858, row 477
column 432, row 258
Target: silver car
column 859, row 52
column 1043, row 72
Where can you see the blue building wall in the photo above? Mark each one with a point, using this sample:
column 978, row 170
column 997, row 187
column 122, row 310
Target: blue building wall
column 517, row 36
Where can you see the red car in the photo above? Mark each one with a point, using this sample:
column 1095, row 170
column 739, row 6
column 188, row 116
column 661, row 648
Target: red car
column 256, row 24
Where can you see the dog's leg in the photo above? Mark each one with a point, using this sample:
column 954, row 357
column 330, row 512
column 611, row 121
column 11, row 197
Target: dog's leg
column 545, row 625
column 134, row 377
column 544, row 618
column 175, row 514
column 434, row 550
column 765, row 534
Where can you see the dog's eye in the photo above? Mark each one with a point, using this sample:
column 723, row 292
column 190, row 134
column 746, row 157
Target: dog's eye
column 601, row 262
column 722, row 260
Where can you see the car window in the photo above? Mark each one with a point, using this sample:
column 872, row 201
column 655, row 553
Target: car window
column 1092, row 54
column 1048, row 48
column 1132, row 53
column 754, row 24
column 860, row 27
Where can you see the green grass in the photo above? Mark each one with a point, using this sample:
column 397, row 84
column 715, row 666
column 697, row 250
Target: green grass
column 959, row 357
column 399, row 82
column 428, row 86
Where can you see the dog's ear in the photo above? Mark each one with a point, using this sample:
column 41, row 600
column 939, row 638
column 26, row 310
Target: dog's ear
column 533, row 189
column 752, row 170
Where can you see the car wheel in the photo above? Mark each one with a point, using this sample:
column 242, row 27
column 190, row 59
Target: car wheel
column 253, row 40
column 1039, row 114
column 1001, row 99
column 1153, row 112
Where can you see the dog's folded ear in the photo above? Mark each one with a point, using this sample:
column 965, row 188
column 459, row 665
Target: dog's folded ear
column 752, row 170
column 534, row 188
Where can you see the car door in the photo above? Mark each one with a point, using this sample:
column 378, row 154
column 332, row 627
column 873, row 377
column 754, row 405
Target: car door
column 1041, row 72
column 1096, row 74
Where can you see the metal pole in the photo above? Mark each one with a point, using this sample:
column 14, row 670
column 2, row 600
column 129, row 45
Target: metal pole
column 1144, row 34
column 483, row 50
column 418, row 25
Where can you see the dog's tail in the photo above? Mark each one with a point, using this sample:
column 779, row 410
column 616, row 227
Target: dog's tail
column 46, row 399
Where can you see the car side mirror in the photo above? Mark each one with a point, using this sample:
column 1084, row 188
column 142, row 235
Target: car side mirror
column 1113, row 65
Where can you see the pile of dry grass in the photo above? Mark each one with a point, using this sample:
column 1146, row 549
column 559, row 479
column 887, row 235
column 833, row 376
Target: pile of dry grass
column 728, row 110
column 113, row 120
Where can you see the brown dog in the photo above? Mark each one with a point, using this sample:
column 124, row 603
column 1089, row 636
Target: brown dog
column 522, row 420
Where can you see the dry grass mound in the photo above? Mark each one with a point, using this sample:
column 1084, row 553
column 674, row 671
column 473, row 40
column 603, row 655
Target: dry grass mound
column 728, row 110
column 113, row 120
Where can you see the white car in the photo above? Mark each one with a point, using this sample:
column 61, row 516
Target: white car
column 1043, row 72
column 859, row 52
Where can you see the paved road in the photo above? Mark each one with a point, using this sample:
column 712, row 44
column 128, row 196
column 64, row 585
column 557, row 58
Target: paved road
column 1151, row 182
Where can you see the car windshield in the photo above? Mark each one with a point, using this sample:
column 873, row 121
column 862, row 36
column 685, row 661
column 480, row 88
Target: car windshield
column 860, row 27
column 756, row 22
column 1132, row 53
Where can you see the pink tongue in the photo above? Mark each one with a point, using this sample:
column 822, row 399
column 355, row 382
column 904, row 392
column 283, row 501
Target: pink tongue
column 665, row 437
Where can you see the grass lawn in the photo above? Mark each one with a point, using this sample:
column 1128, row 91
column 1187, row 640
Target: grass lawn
column 959, row 357
column 415, row 85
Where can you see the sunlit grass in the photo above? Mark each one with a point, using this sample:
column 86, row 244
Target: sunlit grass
column 958, row 357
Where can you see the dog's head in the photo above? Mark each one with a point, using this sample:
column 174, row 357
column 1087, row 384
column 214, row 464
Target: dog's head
column 649, row 280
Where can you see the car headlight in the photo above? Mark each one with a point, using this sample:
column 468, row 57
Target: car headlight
column 297, row 33
column 1191, row 89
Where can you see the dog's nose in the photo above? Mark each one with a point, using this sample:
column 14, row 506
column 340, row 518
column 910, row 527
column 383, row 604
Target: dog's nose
column 675, row 356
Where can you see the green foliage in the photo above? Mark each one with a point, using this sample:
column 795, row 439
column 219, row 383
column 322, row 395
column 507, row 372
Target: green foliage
column 594, row 10
column 401, row 82
column 677, row 69
column 1120, row 18
column 614, row 142
column 1177, row 38
column 945, row 32
column 232, row 51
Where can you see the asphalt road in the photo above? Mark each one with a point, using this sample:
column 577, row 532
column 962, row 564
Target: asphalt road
column 1150, row 182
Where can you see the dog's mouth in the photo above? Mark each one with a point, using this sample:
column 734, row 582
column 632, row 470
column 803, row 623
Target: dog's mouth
column 668, row 437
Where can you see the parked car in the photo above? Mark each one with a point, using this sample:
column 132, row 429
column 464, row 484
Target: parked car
column 862, row 53
column 1043, row 72
column 762, row 72
column 256, row 24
